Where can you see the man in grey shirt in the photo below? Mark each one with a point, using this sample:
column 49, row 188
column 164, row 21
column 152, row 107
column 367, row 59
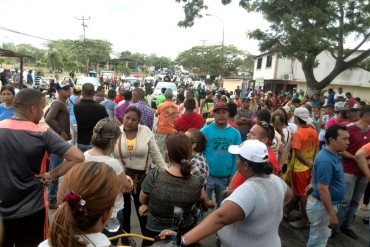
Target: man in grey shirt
column 243, row 118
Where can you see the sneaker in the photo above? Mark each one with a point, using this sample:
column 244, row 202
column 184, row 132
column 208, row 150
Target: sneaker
column 53, row 205
column 349, row 233
column 298, row 225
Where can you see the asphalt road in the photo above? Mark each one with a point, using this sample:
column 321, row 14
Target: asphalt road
column 296, row 238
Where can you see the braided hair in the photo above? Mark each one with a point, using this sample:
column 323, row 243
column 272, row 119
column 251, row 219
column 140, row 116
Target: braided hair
column 105, row 131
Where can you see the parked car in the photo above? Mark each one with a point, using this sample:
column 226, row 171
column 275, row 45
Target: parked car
column 132, row 80
column 167, row 85
column 196, row 84
column 149, row 79
column 107, row 74
column 82, row 80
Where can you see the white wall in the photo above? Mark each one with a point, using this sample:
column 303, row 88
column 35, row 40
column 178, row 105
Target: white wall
column 356, row 81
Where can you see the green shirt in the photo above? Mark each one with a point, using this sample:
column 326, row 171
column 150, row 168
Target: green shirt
column 160, row 99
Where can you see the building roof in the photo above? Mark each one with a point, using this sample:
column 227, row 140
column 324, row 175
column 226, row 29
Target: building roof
column 8, row 53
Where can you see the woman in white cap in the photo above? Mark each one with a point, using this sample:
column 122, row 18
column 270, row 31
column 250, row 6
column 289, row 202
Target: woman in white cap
column 251, row 215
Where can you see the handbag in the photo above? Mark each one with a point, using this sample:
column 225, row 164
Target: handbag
column 137, row 176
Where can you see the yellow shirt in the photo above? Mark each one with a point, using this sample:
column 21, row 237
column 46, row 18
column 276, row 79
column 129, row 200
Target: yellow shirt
column 131, row 145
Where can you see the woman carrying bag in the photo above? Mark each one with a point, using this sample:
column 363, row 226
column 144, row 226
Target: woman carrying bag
column 133, row 150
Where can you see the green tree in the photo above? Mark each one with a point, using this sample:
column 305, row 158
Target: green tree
column 206, row 60
column 302, row 29
column 123, row 70
column 97, row 51
column 54, row 60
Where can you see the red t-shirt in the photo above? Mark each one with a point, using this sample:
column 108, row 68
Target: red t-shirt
column 357, row 139
column 351, row 101
column 239, row 179
column 234, row 125
column 118, row 99
column 187, row 121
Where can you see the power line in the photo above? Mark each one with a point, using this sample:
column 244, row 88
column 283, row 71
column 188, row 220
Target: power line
column 25, row 34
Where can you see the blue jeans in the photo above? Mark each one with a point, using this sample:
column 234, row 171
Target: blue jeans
column 319, row 221
column 218, row 185
column 355, row 188
column 55, row 161
column 84, row 147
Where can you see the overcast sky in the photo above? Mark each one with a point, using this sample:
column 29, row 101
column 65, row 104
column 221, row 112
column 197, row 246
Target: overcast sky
column 144, row 26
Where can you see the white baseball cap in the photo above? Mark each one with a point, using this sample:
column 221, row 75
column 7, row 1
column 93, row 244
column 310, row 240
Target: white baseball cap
column 252, row 150
column 302, row 113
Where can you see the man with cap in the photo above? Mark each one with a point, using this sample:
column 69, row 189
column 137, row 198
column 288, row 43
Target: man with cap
column 58, row 119
column 305, row 145
column 222, row 165
column 166, row 112
column 243, row 118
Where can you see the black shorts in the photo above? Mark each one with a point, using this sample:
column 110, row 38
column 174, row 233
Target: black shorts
column 27, row 231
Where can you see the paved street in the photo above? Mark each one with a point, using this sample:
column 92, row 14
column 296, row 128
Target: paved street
column 298, row 238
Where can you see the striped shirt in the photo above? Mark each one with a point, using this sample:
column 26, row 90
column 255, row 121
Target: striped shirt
column 147, row 114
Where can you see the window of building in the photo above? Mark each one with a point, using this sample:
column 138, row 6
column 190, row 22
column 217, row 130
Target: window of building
column 259, row 63
column 269, row 61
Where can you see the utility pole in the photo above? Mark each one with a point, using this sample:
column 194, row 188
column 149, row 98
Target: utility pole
column 203, row 64
column 83, row 19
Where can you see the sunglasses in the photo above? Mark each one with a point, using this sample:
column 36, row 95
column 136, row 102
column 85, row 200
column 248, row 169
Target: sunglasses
column 265, row 125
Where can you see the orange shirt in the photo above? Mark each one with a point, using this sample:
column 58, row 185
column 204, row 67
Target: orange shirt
column 306, row 140
column 167, row 113
column 238, row 102
column 366, row 148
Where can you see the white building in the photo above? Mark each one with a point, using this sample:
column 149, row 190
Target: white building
column 275, row 73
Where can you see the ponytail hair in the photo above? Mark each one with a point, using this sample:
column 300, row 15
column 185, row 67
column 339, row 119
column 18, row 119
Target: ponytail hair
column 179, row 151
column 87, row 192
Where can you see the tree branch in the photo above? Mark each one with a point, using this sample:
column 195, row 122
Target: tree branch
column 358, row 46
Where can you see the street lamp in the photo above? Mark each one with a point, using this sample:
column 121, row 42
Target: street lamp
column 222, row 46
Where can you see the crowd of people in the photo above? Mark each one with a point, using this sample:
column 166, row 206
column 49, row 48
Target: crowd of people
column 254, row 156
